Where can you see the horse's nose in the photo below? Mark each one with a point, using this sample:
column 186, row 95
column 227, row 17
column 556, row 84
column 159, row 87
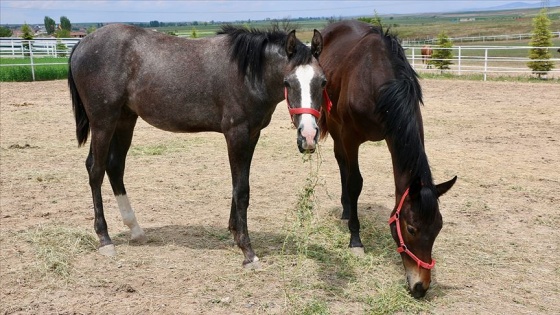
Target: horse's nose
column 307, row 139
column 418, row 290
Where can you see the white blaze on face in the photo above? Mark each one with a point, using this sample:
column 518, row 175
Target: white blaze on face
column 305, row 74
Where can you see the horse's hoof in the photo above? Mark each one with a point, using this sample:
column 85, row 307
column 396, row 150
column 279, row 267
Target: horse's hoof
column 140, row 239
column 137, row 236
column 108, row 250
column 357, row 251
column 255, row 264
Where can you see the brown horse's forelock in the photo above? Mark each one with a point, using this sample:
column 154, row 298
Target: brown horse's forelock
column 248, row 46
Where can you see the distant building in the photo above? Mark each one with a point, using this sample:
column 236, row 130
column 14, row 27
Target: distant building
column 78, row 34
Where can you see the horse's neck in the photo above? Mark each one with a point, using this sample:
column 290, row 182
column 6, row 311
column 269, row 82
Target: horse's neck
column 273, row 78
column 409, row 163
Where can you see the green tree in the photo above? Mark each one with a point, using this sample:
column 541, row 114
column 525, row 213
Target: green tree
column 62, row 33
column 5, row 32
column 90, row 29
column 542, row 37
column 441, row 57
column 375, row 20
column 50, row 25
column 194, row 33
column 284, row 24
column 27, row 35
column 65, row 24
column 61, row 48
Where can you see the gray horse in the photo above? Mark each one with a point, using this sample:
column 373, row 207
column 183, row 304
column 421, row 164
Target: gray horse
column 229, row 83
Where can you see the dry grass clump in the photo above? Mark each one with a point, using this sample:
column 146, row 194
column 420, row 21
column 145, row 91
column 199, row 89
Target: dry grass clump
column 319, row 269
column 57, row 246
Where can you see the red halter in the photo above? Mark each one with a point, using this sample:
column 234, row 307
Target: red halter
column 402, row 247
column 301, row 110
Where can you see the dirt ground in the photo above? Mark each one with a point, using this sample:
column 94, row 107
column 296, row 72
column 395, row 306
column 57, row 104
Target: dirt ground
column 498, row 252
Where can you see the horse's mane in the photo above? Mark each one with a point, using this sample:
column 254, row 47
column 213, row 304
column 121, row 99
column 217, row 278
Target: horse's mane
column 247, row 48
column 399, row 106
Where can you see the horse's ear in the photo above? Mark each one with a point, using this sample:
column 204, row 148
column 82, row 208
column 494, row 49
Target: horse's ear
column 291, row 42
column 444, row 187
column 316, row 44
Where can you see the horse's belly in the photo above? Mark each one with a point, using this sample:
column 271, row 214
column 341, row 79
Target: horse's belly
column 181, row 118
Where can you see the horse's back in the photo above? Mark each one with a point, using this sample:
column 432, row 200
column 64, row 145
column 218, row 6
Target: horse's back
column 356, row 61
column 122, row 50
column 164, row 79
column 104, row 49
column 356, row 51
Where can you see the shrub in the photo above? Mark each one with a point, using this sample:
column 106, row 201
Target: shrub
column 542, row 37
column 441, row 58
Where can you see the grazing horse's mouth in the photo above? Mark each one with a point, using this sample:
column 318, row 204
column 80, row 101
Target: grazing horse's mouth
column 302, row 150
column 307, row 143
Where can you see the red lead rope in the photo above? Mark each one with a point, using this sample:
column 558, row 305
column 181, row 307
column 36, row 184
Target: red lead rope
column 402, row 247
column 300, row 110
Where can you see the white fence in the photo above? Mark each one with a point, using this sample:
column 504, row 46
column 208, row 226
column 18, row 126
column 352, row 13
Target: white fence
column 35, row 49
column 486, row 60
column 481, row 38
column 40, row 47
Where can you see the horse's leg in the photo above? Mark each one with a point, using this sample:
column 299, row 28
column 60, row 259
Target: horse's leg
column 241, row 147
column 354, row 183
column 342, row 167
column 96, row 166
column 120, row 143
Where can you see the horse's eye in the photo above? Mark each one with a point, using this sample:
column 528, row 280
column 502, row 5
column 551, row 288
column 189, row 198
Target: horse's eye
column 411, row 230
column 324, row 83
column 286, row 83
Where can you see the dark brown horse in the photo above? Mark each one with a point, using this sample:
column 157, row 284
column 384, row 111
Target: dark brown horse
column 376, row 96
column 426, row 53
column 230, row 83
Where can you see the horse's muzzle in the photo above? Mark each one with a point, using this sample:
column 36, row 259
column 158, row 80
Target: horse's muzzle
column 418, row 291
column 418, row 281
column 307, row 139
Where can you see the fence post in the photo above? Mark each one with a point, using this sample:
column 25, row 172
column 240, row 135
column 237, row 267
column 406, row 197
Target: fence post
column 459, row 57
column 485, row 62
column 413, row 57
column 31, row 58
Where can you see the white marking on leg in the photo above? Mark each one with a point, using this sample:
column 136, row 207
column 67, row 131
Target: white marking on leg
column 305, row 74
column 129, row 219
column 255, row 264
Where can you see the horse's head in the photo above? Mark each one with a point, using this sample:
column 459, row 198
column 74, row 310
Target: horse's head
column 415, row 224
column 304, row 83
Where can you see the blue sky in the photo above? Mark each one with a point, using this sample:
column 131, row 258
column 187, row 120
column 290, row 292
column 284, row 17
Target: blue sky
column 33, row 12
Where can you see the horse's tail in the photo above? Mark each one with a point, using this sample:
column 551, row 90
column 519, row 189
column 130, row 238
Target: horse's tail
column 82, row 120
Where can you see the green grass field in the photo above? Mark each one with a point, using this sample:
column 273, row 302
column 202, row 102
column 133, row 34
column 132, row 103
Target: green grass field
column 407, row 27
column 19, row 69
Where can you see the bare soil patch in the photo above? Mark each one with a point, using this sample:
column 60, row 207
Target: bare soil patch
column 497, row 252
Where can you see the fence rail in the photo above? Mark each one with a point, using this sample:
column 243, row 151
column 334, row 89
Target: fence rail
column 485, row 60
column 34, row 50
column 14, row 47
column 482, row 38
